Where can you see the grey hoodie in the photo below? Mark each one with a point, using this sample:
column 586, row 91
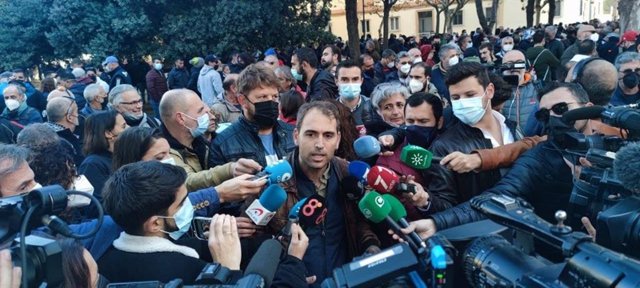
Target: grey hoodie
column 209, row 85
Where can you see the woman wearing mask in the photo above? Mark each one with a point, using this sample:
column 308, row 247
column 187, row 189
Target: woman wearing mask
column 101, row 131
column 141, row 144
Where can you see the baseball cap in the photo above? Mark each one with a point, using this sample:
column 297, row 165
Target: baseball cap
column 586, row 28
column 630, row 35
column 110, row 59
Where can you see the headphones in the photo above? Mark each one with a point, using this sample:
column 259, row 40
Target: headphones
column 578, row 69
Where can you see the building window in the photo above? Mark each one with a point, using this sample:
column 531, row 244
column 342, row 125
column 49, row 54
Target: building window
column 558, row 8
column 394, row 23
column 366, row 26
column 425, row 22
column 456, row 18
column 487, row 13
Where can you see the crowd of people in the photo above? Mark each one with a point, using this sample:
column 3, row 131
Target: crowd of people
column 186, row 142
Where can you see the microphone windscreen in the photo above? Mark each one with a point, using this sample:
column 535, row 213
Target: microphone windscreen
column 589, row 112
column 352, row 187
column 273, row 197
column 265, row 261
column 312, row 211
column 397, row 209
column 366, row 147
column 382, row 179
column 279, row 172
column 416, row 157
column 373, row 207
column 359, row 169
column 626, row 167
column 295, row 210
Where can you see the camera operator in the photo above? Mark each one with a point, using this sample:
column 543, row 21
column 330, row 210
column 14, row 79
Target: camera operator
column 16, row 177
column 542, row 176
column 524, row 96
column 10, row 277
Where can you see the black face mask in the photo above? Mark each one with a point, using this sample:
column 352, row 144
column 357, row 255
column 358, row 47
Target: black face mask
column 557, row 130
column 631, row 80
column 266, row 113
column 421, row 136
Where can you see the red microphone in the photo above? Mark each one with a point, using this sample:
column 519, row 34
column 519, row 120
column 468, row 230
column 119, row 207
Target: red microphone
column 384, row 180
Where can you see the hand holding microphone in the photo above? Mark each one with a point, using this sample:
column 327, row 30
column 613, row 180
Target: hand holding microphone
column 264, row 208
column 245, row 166
column 278, row 172
column 239, row 188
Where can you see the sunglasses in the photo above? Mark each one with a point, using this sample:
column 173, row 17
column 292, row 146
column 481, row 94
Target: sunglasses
column 543, row 114
column 629, row 71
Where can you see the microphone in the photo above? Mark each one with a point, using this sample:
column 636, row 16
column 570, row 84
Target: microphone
column 278, row 172
column 313, row 211
column 264, row 208
column 263, row 265
column 591, row 112
column 398, row 214
column 359, row 169
column 353, row 188
column 625, row 167
column 293, row 217
column 417, row 157
column 366, row 147
column 376, row 209
column 384, row 180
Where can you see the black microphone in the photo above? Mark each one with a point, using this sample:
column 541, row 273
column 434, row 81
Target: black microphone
column 352, row 187
column 263, row 265
column 591, row 112
column 625, row 167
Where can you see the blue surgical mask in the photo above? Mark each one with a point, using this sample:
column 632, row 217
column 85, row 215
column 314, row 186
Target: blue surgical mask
column 349, row 91
column 296, row 75
column 469, row 110
column 203, row 125
column 183, row 218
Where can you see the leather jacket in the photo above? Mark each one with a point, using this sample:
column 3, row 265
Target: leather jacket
column 322, row 87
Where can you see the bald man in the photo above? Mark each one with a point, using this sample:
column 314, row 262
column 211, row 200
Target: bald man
column 17, row 110
column 523, row 99
column 185, row 119
column 584, row 32
column 63, row 118
column 598, row 78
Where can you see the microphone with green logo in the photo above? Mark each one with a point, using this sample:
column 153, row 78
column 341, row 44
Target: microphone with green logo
column 398, row 214
column 417, row 157
column 376, row 209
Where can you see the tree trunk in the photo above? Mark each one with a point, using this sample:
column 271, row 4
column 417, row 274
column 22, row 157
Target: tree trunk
column 481, row 17
column 494, row 14
column 438, row 13
column 552, row 11
column 530, row 6
column 385, row 24
column 538, row 11
column 629, row 11
column 351, row 10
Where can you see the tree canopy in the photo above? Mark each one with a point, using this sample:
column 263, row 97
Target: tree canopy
column 37, row 31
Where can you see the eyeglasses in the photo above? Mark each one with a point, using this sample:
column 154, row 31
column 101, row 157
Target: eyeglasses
column 559, row 108
column 629, row 71
column 139, row 101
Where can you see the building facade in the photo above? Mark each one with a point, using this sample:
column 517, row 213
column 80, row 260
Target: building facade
column 416, row 18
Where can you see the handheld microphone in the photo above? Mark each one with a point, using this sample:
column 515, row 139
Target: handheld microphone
column 313, row 211
column 591, row 112
column 376, row 209
column 366, row 147
column 359, row 169
column 278, row 172
column 398, row 214
column 384, row 180
column 417, row 157
column 263, row 265
column 264, row 208
column 352, row 187
column 293, row 217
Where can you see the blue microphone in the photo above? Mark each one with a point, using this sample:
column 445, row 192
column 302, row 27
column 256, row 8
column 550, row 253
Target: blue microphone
column 264, row 208
column 278, row 172
column 359, row 169
column 366, row 147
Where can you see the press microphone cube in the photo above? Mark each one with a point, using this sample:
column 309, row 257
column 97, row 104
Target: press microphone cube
column 382, row 179
column 263, row 209
column 416, row 157
column 366, row 147
column 278, row 172
column 373, row 207
column 359, row 169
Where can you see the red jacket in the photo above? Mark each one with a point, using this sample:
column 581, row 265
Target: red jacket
column 156, row 84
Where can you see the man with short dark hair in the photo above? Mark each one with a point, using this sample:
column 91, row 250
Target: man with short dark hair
column 330, row 57
column 419, row 79
column 16, row 177
column 178, row 76
column 486, row 55
column 368, row 73
column 386, row 66
column 343, row 233
column 349, row 77
column 541, row 58
column 257, row 134
column 320, row 83
column 210, row 81
column 148, row 200
column 156, row 85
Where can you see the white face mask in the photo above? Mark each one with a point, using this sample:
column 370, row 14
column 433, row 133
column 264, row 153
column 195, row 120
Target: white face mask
column 594, row 37
column 415, row 85
column 453, row 61
column 470, row 45
column 405, row 68
column 417, row 60
column 169, row 160
column 469, row 110
column 507, row 48
column 391, row 65
column 36, row 187
column 82, row 184
column 157, row 66
column 12, row 104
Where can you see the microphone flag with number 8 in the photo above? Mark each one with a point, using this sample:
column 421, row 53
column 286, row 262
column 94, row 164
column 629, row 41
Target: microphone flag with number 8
column 313, row 211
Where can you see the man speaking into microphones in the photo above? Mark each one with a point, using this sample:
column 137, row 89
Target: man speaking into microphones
column 337, row 232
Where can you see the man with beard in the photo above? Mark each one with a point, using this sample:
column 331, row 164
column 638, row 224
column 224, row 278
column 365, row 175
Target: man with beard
column 257, row 134
column 368, row 79
column 320, row 83
column 126, row 100
column 330, row 57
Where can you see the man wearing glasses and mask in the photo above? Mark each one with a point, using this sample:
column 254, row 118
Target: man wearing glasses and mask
column 126, row 100
column 628, row 91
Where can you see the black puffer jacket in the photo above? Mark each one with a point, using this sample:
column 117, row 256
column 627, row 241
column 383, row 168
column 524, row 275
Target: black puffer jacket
column 451, row 188
column 241, row 140
column 539, row 176
column 322, row 87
